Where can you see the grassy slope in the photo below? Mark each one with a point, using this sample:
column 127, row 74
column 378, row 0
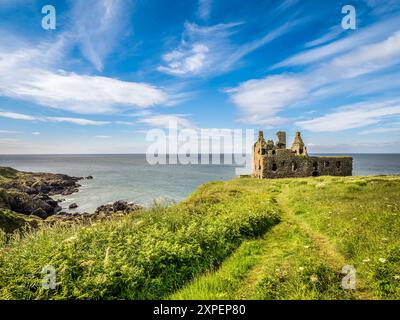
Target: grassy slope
column 326, row 223
column 142, row 256
column 11, row 221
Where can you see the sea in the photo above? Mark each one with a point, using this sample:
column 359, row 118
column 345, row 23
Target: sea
column 132, row 178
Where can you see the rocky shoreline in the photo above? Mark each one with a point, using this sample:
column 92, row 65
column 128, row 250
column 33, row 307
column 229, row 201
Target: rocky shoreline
column 31, row 194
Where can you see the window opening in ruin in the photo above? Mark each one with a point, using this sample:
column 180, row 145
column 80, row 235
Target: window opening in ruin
column 283, row 163
column 294, row 166
column 315, row 165
column 273, row 151
column 338, row 164
column 315, row 174
column 326, row 164
column 274, row 167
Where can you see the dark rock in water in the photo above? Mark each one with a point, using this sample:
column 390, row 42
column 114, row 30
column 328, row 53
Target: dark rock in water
column 89, row 177
column 118, row 206
column 73, row 206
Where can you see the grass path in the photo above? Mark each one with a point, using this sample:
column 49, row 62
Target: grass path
column 272, row 267
column 326, row 250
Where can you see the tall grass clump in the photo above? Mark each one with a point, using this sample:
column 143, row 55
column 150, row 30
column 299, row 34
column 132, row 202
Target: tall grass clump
column 147, row 255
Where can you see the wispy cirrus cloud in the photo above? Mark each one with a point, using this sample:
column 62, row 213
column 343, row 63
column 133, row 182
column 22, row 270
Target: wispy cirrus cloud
column 353, row 116
column 260, row 100
column 208, row 50
column 78, row 121
column 98, row 26
column 361, row 37
column 390, row 127
column 166, row 120
column 200, row 50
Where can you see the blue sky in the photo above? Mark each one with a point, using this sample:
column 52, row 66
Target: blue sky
column 113, row 69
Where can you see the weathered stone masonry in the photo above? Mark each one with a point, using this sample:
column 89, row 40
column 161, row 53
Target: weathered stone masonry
column 274, row 160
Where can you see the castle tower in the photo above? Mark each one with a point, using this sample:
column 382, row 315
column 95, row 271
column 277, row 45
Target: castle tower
column 298, row 146
column 281, row 143
column 260, row 136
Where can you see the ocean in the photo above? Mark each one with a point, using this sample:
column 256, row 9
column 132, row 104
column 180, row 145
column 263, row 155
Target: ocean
column 131, row 178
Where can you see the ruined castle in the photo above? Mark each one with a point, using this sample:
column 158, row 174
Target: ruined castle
column 274, row 160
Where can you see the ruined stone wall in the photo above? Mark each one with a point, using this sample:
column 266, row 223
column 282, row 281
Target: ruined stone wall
column 275, row 161
column 284, row 165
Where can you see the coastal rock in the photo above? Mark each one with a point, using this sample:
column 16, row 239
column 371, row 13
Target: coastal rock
column 24, row 203
column 30, row 193
column 73, row 206
column 89, row 178
column 109, row 211
column 118, row 206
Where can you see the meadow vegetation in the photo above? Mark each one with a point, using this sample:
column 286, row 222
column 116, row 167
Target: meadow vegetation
column 241, row 239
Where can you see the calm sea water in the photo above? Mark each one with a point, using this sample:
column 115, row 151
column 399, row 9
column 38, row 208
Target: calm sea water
column 131, row 178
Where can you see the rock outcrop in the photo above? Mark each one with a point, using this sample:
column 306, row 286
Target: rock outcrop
column 116, row 209
column 30, row 193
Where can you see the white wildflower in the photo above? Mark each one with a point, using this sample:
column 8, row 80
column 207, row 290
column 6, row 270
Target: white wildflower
column 314, row 278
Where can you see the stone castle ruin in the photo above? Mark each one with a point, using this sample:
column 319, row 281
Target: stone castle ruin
column 274, row 160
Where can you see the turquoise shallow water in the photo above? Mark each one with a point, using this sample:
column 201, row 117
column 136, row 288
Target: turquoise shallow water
column 131, row 178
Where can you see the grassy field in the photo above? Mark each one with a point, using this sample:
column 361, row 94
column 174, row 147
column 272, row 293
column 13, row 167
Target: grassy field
column 242, row 239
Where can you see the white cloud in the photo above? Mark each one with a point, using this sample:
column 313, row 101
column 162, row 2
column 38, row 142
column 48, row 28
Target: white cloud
column 98, row 26
column 185, row 61
column 36, row 133
column 23, row 77
column 200, row 51
column 392, row 127
column 9, row 132
column 78, row 121
column 355, row 40
column 205, row 50
column 368, row 58
column 328, row 37
column 168, row 120
column 382, row 7
column 353, row 116
column 16, row 116
column 103, row 137
column 261, row 100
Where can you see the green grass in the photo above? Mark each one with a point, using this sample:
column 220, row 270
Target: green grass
column 302, row 257
column 242, row 239
column 147, row 255
column 7, row 173
column 11, row 221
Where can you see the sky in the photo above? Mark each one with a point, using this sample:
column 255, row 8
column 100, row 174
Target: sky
column 113, row 69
